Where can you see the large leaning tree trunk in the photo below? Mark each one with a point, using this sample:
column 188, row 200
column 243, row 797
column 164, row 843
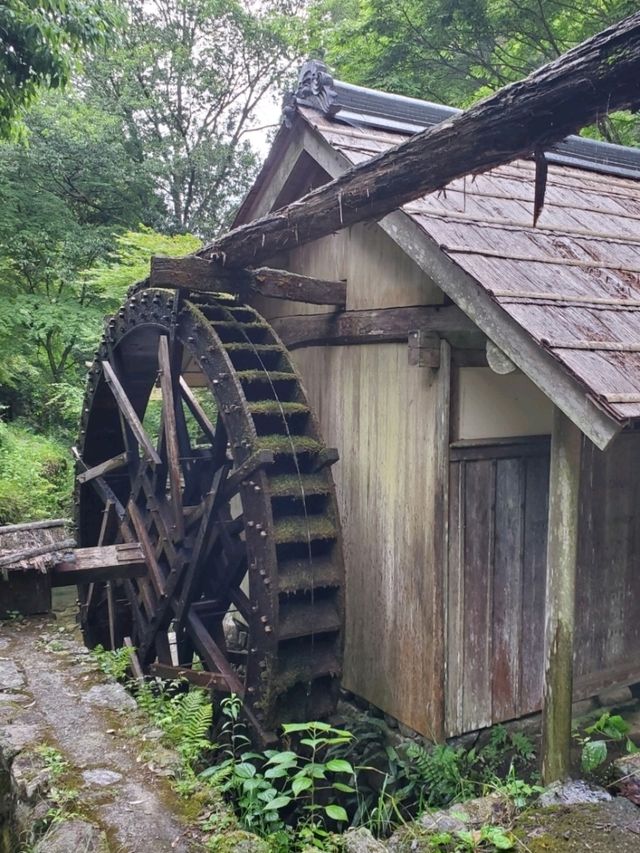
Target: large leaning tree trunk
column 598, row 76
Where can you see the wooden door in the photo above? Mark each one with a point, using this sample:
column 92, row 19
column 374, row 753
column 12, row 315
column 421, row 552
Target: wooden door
column 496, row 581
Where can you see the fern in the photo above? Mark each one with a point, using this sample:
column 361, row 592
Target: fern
column 193, row 725
column 442, row 771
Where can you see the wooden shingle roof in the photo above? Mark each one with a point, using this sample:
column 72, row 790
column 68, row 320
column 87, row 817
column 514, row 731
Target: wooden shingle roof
column 573, row 281
column 562, row 300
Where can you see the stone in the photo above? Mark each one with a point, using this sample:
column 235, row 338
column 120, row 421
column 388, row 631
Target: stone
column 407, row 732
column 14, row 738
column 604, row 827
column 584, row 707
column 73, row 835
column 109, row 695
column 11, row 698
column 472, row 814
column 30, row 776
column 240, row 841
column 613, row 696
column 627, row 770
column 361, row 841
column 30, row 819
column 10, row 676
column 572, row 793
column 101, row 777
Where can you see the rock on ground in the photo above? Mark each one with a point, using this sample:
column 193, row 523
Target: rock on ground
column 361, row 841
column 93, row 723
column 73, row 835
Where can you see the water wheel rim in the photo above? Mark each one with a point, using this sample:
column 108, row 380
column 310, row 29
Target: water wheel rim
column 222, row 338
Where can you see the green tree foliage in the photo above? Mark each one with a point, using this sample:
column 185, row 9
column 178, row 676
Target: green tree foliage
column 38, row 42
column 61, row 199
column 129, row 262
column 186, row 81
column 36, row 475
column 456, row 51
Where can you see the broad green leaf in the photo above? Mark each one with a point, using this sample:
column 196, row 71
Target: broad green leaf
column 339, row 765
column 282, row 757
column 277, row 803
column 594, row 752
column 346, row 789
column 277, row 772
column 245, row 770
column 302, row 783
column 336, row 813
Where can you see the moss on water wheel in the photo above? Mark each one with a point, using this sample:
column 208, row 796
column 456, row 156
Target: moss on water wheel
column 223, row 485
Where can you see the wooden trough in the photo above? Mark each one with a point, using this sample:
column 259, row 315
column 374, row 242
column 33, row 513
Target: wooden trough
column 36, row 557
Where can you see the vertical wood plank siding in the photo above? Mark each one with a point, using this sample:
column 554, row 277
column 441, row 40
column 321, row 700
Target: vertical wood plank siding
column 492, row 500
column 497, row 561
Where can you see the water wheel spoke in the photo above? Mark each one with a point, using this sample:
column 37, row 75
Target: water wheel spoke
column 128, row 412
column 170, row 430
column 107, row 522
column 211, row 653
column 155, row 572
column 199, row 414
column 204, row 539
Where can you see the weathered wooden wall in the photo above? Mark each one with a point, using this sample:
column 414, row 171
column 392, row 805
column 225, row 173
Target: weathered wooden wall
column 497, row 555
column 382, row 415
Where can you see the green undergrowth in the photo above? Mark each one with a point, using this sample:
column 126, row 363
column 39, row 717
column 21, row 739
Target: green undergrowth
column 322, row 779
column 36, row 476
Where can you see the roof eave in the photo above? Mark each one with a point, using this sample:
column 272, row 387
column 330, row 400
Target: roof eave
column 540, row 366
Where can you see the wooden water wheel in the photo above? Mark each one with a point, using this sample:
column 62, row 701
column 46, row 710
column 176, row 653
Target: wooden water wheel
column 198, row 442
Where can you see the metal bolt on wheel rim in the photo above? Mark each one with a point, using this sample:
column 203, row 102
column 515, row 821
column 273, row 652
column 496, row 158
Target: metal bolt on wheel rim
column 214, row 462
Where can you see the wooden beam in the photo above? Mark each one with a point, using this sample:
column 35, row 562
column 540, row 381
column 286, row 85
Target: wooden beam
column 136, row 669
column 102, row 563
column 562, row 549
column 197, row 411
column 203, row 679
column 212, row 655
column 129, row 413
column 194, row 273
column 103, row 468
column 34, row 525
column 171, row 436
column 436, row 647
column 558, row 99
column 383, row 325
column 36, row 551
column 155, row 572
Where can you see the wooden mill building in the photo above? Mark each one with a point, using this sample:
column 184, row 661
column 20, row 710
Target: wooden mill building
column 467, row 333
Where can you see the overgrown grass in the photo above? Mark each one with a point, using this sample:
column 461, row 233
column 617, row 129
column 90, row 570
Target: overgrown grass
column 36, row 475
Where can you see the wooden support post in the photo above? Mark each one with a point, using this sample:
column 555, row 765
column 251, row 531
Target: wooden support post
column 562, row 547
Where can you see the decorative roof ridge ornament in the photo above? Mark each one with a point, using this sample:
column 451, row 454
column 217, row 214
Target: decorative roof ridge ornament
column 315, row 88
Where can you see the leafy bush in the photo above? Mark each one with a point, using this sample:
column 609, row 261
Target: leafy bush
column 274, row 789
column 608, row 728
column 35, row 475
column 394, row 784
